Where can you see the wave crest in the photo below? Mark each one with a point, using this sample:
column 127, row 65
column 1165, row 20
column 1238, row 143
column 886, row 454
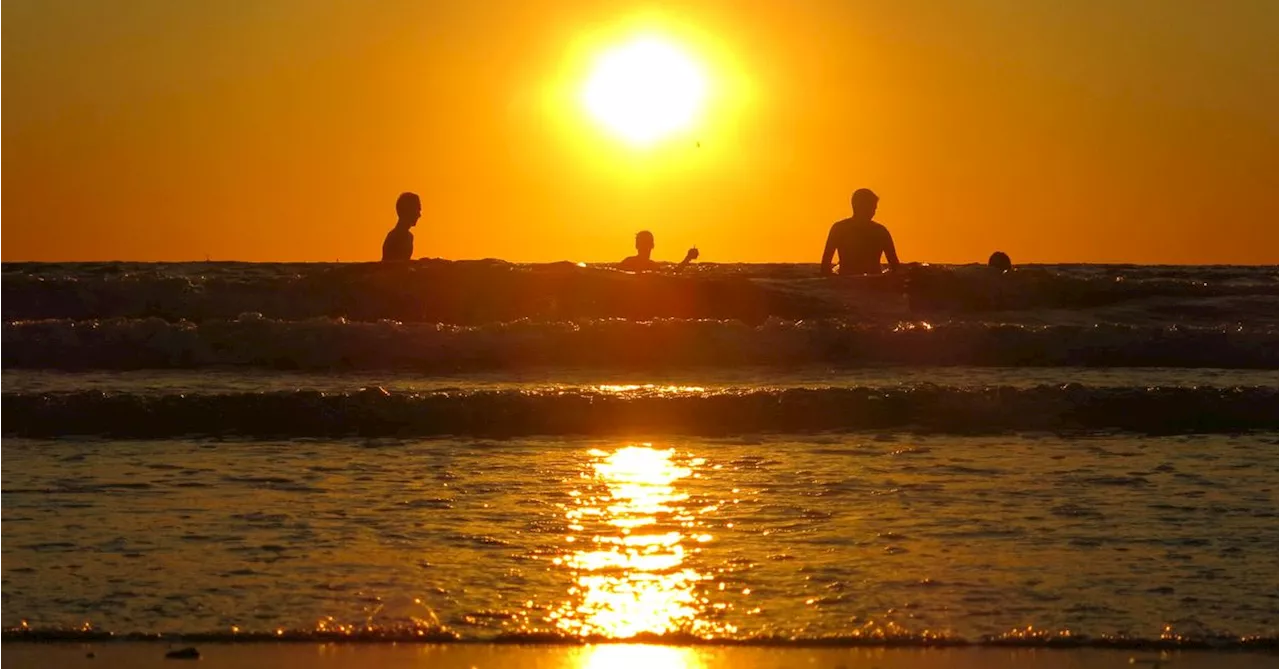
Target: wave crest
column 254, row 341
column 375, row 412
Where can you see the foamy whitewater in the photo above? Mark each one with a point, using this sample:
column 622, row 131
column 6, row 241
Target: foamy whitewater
column 1063, row 455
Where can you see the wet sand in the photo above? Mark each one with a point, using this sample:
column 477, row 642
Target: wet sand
column 612, row 656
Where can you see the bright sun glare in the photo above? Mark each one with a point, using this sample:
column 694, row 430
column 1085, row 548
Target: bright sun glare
column 644, row 90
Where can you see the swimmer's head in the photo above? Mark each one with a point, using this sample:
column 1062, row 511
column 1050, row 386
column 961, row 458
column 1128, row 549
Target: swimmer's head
column 864, row 203
column 644, row 241
column 1000, row 261
column 409, row 208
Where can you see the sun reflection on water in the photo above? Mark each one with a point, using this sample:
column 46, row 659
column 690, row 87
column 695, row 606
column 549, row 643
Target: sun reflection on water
column 628, row 556
column 634, row 656
column 649, row 389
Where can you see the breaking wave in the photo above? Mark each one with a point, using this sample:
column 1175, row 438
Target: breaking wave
column 375, row 412
column 475, row 292
column 255, row 341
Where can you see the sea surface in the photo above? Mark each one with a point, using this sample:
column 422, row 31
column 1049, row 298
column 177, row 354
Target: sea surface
column 478, row 451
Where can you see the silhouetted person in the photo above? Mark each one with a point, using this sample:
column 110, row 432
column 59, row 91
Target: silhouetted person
column 1000, row 261
column 399, row 242
column 859, row 240
column 644, row 248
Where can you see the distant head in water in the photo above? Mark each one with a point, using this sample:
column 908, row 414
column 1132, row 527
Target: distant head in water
column 643, row 261
column 408, row 209
column 644, row 243
column 864, row 204
column 1000, row 261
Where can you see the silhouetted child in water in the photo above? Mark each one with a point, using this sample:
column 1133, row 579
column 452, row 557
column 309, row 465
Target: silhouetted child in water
column 1000, row 262
column 859, row 240
column 399, row 242
column 641, row 261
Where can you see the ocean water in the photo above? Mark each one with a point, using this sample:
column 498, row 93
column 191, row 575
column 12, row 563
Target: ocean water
column 480, row 450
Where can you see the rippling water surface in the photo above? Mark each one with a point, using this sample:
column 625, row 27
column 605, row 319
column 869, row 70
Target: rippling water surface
column 849, row 536
column 480, row 450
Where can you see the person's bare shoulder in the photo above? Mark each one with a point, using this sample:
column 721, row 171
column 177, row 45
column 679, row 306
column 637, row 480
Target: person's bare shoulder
column 631, row 264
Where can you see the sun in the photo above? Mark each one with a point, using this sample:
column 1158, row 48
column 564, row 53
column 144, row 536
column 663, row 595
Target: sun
column 644, row 90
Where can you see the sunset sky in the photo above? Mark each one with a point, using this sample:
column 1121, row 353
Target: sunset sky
column 1139, row 131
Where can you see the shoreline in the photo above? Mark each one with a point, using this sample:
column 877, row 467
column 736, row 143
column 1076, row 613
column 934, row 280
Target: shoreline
column 478, row 655
column 1037, row 640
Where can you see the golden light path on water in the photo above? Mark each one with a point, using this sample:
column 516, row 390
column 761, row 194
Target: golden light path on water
column 650, row 388
column 636, row 656
column 632, row 534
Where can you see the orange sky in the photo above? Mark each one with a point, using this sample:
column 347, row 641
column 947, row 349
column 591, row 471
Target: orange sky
column 1122, row 131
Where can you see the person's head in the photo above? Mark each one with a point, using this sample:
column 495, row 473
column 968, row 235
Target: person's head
column 864, row 203
column 408, row 208
column 1000, row 261
column 644, row 241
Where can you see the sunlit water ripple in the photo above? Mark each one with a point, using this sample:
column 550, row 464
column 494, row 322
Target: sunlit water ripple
column 856, row 536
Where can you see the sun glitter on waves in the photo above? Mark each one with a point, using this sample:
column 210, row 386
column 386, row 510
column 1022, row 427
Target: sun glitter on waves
column 633, row 576
column 645, row 89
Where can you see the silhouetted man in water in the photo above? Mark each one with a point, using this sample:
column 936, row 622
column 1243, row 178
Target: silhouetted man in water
column 399, row 242
column 860, row 240
column 644, row 248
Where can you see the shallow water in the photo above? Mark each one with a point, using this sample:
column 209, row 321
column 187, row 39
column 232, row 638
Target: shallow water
column 844, row 535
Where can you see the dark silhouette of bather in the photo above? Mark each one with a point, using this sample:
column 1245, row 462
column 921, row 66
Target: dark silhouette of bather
column 399, row 242
column 641, row 262
column 1000, row 262
column 859, row 240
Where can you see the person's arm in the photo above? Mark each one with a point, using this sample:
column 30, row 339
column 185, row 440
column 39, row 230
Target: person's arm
column 890, row 253
column 830, row 251
column 689, row 257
